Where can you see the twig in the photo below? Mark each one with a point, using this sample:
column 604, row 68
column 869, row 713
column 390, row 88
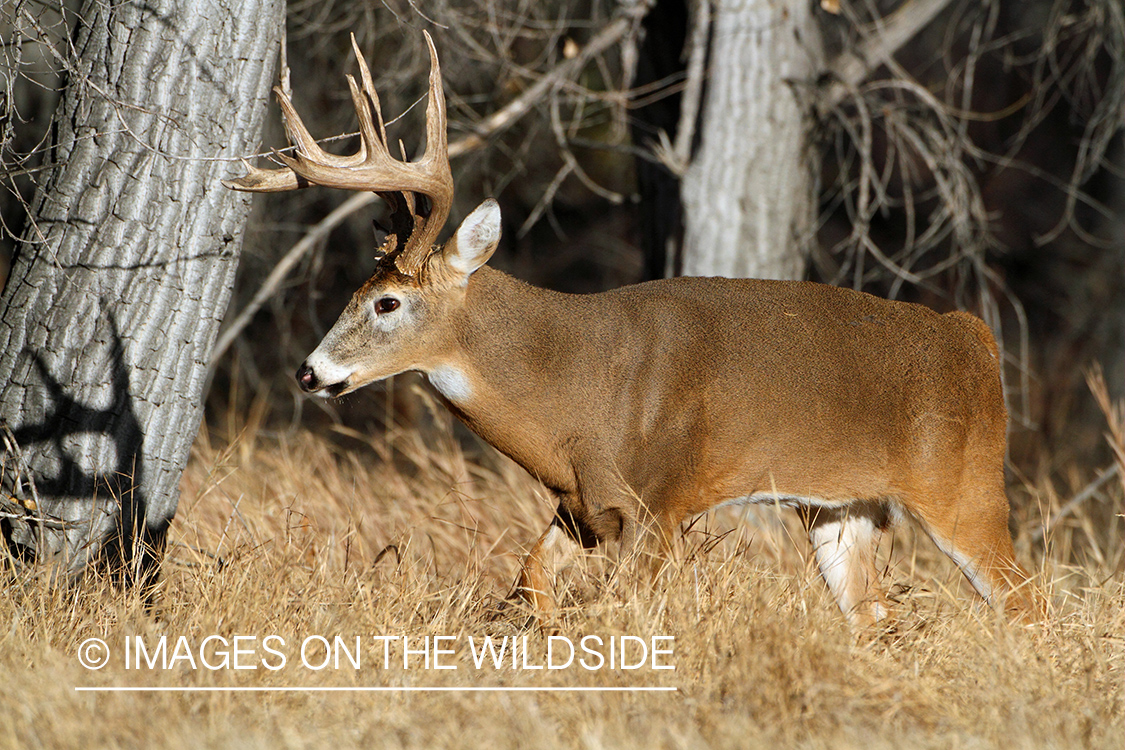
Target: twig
column 22, row 471
column 521, row 105
column 47, row 522
column 850, row 68
column 693, row 91
column 548, row 197
column 563, row 143
column 22, row 508
column 1069, row 507
column 279, row 273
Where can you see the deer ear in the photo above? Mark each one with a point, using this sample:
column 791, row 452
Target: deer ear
column 475, row 241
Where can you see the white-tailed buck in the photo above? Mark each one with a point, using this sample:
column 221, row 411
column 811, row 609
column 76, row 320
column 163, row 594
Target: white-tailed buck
column 642, row 406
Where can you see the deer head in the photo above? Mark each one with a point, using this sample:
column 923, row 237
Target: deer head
column 392, row 324
column 397, row 322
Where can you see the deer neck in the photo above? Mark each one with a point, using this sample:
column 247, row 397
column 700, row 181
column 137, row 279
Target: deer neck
column 511, row 359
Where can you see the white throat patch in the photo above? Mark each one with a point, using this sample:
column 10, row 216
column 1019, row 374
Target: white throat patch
column 451, row 382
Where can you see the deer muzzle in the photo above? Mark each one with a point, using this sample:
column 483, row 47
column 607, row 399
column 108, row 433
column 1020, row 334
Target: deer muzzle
column 311, row 382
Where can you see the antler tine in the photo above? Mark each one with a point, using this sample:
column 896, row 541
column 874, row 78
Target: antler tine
column 369, row 142
column 372, row 94
column 435, row 163
column 258, row 180
column 308, row 150
column 437, row 146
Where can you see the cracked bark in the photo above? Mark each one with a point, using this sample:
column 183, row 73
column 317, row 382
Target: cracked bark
column 125, row 269
column 749, row 194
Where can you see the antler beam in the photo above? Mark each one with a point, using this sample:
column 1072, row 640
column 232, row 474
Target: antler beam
column 414, row 230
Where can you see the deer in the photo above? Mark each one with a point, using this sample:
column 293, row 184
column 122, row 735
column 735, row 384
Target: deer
column 646, row 405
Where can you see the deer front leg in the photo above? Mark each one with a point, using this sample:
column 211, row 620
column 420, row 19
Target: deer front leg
column 555, row 551
column 599, row 512
column 648, row 546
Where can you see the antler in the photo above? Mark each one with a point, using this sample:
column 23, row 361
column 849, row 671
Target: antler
column 413, row 229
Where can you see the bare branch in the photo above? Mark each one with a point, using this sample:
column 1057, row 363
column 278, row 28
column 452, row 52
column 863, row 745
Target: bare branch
column 693, row 91
column 521, row 105
column 289, row 261
column 853, row 66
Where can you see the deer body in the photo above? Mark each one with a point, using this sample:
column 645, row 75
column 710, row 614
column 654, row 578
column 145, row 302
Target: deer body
column 691, row 392
column 643, row 406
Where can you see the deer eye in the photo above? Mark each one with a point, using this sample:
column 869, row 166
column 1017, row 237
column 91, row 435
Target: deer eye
column 386, row 305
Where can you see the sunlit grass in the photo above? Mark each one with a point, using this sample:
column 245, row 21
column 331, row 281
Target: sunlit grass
column 301, row 535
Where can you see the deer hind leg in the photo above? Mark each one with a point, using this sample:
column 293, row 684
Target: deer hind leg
column 845, row 541
column 973, row 532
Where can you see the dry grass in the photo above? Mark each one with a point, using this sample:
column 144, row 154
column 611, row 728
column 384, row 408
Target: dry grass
column 297, row 536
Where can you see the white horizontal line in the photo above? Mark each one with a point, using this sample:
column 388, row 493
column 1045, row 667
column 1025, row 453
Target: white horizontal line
column 363, row 689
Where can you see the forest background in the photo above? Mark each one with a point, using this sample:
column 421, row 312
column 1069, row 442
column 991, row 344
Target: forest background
column 960, row 154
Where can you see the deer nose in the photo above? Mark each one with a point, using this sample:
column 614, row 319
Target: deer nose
column 306, row 378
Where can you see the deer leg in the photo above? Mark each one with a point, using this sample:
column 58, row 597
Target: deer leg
column 845, row 541
column 974, row 533
column 648, row 543
column 555, row 551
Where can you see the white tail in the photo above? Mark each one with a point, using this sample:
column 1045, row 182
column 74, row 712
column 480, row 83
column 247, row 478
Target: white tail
column 645, row 405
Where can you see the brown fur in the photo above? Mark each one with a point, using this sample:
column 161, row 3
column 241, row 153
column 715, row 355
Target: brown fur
column 645, row 405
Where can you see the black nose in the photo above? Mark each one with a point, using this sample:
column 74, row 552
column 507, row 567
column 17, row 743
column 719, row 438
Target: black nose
column 306, row 378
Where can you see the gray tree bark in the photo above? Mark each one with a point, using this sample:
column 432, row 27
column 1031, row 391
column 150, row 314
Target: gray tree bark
column 124, row 272
column 749, row 195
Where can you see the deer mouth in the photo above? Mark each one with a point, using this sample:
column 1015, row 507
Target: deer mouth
column 335, row 390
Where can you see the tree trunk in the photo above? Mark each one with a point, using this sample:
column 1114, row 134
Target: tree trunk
column 124, row 271
column 749, row 195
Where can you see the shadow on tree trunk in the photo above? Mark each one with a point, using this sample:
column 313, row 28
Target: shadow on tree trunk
column 115, row 535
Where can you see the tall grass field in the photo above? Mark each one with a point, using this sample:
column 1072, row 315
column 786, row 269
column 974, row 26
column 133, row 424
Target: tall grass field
column 337, row 590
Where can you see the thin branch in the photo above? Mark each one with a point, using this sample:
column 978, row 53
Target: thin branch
column 521, row 105
column 563, row 142
column 852, row 67
column 269, row 287
column 14, row 488
column 1071, row 505
column 693, row 91
column 548, row 197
